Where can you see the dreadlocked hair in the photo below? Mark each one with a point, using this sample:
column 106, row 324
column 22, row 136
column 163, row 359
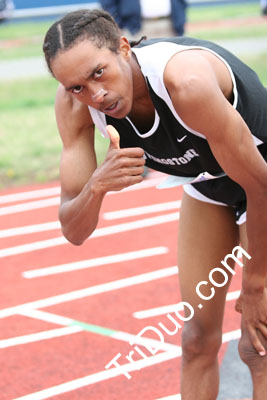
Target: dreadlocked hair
column 96, row 25
column 134, row 43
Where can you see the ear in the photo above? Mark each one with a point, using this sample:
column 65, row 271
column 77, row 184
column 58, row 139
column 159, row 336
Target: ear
column 125, row 48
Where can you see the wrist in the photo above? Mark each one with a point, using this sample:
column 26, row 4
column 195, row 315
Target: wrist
column 253, row 283
column 95, row 187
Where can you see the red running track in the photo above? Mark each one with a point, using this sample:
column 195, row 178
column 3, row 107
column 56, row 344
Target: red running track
column 63, row 320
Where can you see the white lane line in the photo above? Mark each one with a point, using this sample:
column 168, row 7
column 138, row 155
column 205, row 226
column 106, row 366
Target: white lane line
column 33, row 194
column 49, row 226
column 234, row 335
column 44, row 244
column 32, row 205
column 26, row 248
column 90, row 291
column 154, row 312
column 95, row 262
column 112, row 373
column 54, row 191
column 36, row 337
column 28, row 229
column 47, row 317
column 69, row 330
column 60, row 320
column 174, row 397
column 130, row 212
column 143, row 341
column 100, row 376
column 232, row 295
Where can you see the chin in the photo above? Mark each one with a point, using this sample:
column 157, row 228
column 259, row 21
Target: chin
column 125, row 111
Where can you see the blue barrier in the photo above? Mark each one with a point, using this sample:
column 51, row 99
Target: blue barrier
column 22, row 4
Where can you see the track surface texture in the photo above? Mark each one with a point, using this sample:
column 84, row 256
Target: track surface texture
column 66, row 311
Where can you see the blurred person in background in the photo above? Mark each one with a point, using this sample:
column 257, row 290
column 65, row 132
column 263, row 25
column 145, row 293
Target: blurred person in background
column 127, row 14
column 263, row 4
column 6, row 8
column 175, row 10
column 178, row 16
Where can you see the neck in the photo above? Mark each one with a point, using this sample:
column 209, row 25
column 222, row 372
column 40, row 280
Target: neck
column 141, row 97
column 139, row 82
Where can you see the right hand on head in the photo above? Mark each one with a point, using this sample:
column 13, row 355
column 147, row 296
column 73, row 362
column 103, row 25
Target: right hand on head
column 121, row 167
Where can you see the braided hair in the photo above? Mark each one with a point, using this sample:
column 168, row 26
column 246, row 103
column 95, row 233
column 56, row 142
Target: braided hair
column 96, row 25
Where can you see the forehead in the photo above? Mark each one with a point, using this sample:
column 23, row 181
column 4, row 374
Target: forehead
column 79, row 61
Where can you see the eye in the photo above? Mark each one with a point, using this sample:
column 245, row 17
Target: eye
column 77, row 89
column 99, row 73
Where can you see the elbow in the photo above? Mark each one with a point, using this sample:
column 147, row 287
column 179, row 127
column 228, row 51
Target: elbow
column 73, row 229
column 74, row 234
column 75, row 241
column 72, row 237
column 69, row 229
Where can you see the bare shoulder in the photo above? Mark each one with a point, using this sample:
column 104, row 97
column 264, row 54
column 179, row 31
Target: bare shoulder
column 73, row 117
column 193, row 71
column 200, row 82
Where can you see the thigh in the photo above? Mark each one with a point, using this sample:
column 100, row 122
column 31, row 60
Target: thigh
column 207, row 233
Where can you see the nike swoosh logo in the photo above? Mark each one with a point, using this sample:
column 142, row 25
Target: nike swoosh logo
column 180, row 140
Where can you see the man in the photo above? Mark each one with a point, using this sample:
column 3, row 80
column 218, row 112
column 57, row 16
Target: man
column 191, row 109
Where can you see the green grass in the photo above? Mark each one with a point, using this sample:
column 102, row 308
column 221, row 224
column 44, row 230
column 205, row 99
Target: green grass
column 27, row 93
column 218, row 12
column 17, row 30
column 259, row 64
column 30, row 145
column 241, row 32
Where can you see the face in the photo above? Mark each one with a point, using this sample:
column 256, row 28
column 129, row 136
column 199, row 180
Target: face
column 97, row 77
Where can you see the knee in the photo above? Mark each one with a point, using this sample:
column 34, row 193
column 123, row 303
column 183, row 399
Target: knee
column 250, row 356
column 200, row 342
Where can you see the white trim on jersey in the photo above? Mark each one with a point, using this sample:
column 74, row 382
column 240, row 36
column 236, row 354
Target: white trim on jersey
column 161, row 53
column 99, row 119
column 151, row 131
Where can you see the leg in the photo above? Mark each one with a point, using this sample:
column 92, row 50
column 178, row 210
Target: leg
column 207, row 233
column 257, row 364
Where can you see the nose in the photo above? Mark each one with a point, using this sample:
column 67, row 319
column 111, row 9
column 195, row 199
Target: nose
column 98, row 97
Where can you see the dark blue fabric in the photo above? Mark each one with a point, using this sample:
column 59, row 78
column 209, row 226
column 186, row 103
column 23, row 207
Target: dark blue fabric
column 178, row 16
column 126, row 13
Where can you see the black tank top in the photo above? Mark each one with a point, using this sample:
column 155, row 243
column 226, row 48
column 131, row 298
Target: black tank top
column 171, row 146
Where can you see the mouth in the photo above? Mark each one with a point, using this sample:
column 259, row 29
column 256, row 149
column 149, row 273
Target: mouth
column 112, row 108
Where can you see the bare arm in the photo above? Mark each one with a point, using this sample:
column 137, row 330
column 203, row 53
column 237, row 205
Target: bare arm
column 200, row 99
column 83, row 185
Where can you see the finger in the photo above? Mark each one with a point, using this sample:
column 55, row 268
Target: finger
column 263, row 329
column 113, row 136
column 238, row 307
column 133, row 152
column 133, row 171
column 256, row 342
column 129, row 162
